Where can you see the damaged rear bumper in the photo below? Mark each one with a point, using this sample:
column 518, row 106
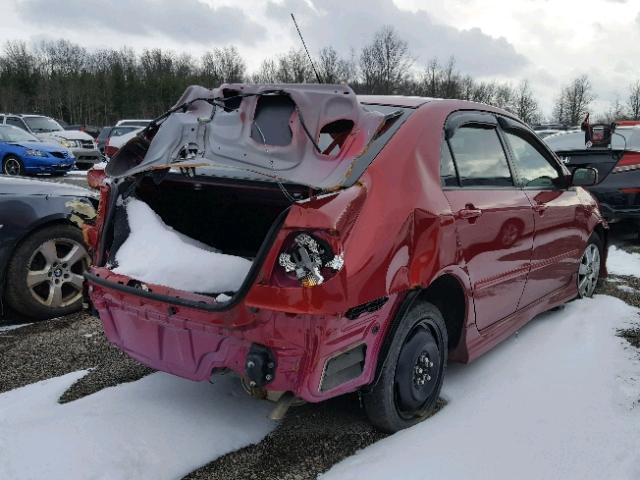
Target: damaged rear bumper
column 316, row 356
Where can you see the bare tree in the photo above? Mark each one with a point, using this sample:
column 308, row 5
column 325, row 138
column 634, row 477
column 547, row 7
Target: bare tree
column 633, row 101
column 574, row 100
column 332, row 68
column 385, row 63
column 525, row 105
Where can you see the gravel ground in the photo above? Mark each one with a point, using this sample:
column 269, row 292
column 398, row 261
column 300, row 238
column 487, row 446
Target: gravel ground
column 62, row 345
column 307, row 442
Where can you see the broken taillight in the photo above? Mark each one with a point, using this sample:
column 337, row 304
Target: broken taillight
column 309, row 260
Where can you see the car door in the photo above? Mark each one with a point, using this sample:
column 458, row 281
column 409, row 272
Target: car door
column 559, row 216
column 494, row 219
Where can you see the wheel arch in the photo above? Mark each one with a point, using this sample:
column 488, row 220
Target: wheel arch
column 450, row 292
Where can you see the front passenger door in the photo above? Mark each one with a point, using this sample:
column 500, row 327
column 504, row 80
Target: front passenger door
column 560, row 223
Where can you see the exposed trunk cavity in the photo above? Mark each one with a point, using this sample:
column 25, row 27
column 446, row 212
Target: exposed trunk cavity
column 198, row 235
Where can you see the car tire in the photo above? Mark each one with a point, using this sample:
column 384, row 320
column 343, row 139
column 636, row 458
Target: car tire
column 589, row 267
column 411, row 378
column 12, row 165
column 44, row 275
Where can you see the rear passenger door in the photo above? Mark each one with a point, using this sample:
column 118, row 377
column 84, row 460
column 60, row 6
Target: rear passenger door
column 493, row 215
column 560, row 220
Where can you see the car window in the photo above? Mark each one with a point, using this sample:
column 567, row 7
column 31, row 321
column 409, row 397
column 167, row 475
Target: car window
column 43, row 124
column 16, row 122
column 448, row 177
column 119, row 131
column 480, row 158
column 1, row 119
column 15, row 134
column 533, row 168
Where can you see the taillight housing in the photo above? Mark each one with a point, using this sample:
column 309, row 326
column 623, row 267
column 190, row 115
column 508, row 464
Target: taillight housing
column 308, row 260
column 629, row 161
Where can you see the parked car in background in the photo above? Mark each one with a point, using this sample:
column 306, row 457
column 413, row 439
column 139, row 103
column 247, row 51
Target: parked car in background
column 361, row 248
column 133, row 123
column 618, row 165
column 107, row 133
column 22, row 153
column 81, row 144
column 42, row 252
column 115, row 142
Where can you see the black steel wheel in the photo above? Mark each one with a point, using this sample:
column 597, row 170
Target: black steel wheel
column 413, row 372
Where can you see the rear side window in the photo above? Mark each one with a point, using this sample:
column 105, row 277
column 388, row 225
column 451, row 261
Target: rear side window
column 16, row 122
column 480, row 158
column 534, row 170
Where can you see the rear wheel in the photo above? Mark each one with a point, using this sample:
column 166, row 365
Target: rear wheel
column 411, row 378
column 12, row 166
column 45, row 274
column 589, row 267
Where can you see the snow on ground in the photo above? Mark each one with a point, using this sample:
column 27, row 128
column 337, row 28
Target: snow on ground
column 7, row 328
column 621, row 262
column 156, row 253
column 160, row 427
column 561, row 400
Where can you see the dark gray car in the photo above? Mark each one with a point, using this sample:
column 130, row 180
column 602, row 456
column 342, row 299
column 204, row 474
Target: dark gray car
column 42, row 252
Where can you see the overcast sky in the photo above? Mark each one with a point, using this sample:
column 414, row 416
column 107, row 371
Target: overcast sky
column 548, row 42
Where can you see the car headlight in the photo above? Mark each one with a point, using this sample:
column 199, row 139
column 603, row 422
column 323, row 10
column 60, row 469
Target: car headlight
column 35, row 153
column 310, row 260
column 68, row 143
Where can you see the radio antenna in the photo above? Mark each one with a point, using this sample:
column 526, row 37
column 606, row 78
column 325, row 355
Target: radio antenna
column 313, row 66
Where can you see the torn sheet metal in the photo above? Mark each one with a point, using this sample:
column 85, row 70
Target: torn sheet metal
column 269, row 130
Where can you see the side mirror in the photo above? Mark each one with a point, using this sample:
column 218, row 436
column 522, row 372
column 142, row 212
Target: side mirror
column 584, row 177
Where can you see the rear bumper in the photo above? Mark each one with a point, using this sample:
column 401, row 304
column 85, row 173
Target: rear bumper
column 193, row 343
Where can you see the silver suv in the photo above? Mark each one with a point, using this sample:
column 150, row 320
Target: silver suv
column 82, row 145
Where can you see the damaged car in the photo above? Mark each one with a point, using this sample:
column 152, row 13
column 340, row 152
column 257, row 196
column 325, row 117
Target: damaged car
column 317, row 243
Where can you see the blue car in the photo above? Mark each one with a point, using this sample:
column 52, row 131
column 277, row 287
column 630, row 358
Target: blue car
column 22, row 153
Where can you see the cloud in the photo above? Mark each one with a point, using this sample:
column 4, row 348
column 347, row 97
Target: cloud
column 190, row 21
column 351, row 24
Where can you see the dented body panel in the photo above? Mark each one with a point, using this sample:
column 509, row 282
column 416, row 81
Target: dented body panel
column 398, row 234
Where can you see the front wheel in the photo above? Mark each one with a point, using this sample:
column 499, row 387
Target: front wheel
column 411, row 378
column 589, row 267
column 12, row 166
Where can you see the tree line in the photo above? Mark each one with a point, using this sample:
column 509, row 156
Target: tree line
column 69, row 82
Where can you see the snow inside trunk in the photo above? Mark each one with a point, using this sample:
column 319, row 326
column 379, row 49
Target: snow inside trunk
column 193, row 235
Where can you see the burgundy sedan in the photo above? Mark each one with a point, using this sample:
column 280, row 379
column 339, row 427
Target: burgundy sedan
column 317, row 243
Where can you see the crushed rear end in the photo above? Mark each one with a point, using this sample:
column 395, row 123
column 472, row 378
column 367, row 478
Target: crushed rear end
column 279, row 206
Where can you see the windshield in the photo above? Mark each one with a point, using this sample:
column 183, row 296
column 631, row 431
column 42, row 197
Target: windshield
column 15, row 134
column 622, row 139
column 42, row 124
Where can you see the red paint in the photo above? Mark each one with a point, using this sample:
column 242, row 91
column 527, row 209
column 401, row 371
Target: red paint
column 399, row 230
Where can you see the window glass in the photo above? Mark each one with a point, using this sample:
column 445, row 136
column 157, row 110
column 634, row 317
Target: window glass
column 480, row 158
column 16, row 122
column 533, row 168
column 448, row 177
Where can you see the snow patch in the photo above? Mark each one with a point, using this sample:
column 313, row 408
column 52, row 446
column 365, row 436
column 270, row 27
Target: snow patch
column 155, row 253
column 8, row 328
column 560, row 400
column 160, row 427
column 621, row 262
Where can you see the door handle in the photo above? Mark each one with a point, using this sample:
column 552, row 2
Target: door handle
column 540, row 208
column 469, row 212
